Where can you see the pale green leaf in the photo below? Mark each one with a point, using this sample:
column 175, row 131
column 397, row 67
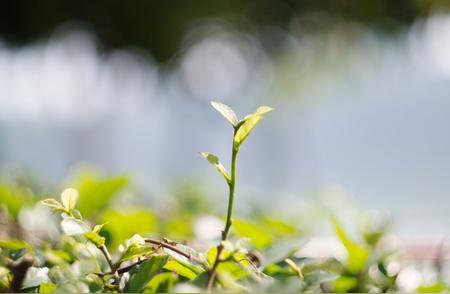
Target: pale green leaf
column 69, row 198
column 181, row 269
column 228, row 281
column 133, row 252
column 97, row 228
column 236, row 269
column 263, row 110
column 72, row 226
column 53, row 204
column 47, row 288
column 95, row 238
column 94, row 282
column 125, row 222
column 258, row 235
column 214, row 160
column 294, row 267
column 135, row 240
column 57, row 256
column 14, row 244
column 248, row 124
column 96, row 191
column 345, row 284
column 278, row 227
column 183, row 266
column 357, row 254
column 194, row 263
column 144, row 272
column 211, row 255
column 161, row 283
column 226, row 111
column 77, row 214
column 438, row 287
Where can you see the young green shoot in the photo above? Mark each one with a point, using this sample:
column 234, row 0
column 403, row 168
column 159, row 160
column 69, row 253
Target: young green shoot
column 241, row 130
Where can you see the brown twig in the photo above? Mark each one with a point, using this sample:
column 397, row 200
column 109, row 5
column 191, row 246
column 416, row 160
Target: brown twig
column 124, row 269
column 105, row 252
column 212, row 272
column 19, row 270
column 169, row 246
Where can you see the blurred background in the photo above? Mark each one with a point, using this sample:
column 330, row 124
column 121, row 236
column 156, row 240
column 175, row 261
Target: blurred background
column 361, row 92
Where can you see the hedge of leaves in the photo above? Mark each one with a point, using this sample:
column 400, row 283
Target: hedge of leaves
column 95, row 238
column 81, row 243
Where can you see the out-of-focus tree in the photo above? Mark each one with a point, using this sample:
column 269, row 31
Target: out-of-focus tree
column 159, row 26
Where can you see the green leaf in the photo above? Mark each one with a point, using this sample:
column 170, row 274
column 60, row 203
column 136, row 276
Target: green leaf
column 278, row 227
column 228, row 281
column 432, row 288
column 345, row 284
column 357, row 254
column 294, row 267
column 144, row 272
column 275, row 270
column 183, row 269
column 193, row 264
column 226, row 111
column 126, row 222
column 214, row 160
column 248, row 124
column 95, row 283
column 53, row 204
column 257, row 234
column 15, row 245
column 77, row 214
column 72, row 226
column 233, row 268
column 236, row 265
column 135, row 252
column 15, row 197
column 161, row 283
column 95, row 238
column 98, row 228
column 262, row 110
column 57, row 256
column 47, row 288
column 96, row 191
column 69, row 198
column 212, row 253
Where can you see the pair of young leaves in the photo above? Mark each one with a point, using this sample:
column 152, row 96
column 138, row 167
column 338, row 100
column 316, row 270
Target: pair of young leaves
column 72, row 222
column 242, row 128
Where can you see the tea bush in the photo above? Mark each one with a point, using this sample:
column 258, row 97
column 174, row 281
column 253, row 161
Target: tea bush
column 95, row 238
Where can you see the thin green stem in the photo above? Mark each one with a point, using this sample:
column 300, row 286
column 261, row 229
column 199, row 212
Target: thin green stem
column 231, row 185
column 225, row 232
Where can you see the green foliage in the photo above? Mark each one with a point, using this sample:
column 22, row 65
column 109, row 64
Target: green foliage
column 357, row 254
column 14, row 197
column 124, row 223
column 103, row 246
column 161, row 283
column 143, row 273
column 258, row 235
column 248, row 124
column 241, row 130
column 96, row 191
column 81, row 259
